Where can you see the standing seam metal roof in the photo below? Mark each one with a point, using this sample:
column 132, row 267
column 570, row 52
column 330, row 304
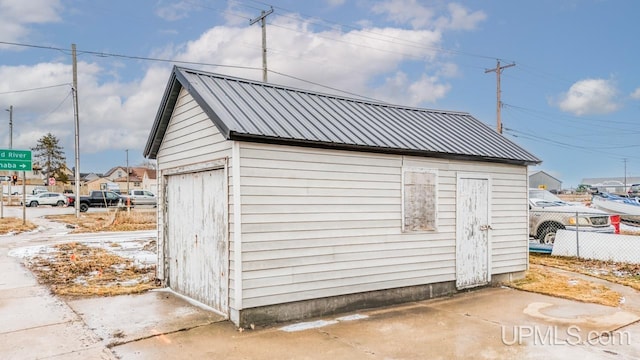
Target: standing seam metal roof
column 254, row 111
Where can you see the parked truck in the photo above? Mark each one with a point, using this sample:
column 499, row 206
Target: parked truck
column 97, row 198
column 139, row 197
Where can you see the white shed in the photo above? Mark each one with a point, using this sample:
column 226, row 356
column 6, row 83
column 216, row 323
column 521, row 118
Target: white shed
column 278, row 203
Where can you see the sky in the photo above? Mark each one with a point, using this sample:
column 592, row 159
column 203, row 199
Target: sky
column 572, row 98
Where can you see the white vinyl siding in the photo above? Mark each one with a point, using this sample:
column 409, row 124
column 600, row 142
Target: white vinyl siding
column 319, row 223
column 191, row 139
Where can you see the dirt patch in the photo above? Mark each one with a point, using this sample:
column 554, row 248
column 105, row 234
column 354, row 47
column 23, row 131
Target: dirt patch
column 615, row 272
column 114, row 220
column 11, row 225
column 76, row 269
column 544, row 281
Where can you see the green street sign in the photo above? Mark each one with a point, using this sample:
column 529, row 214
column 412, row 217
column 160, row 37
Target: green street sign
column 15, row 160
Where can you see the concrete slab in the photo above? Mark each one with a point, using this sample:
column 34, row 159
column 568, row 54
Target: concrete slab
column 31, row 307
column 61, row 341
column 121, row 319
column 490, row 323
column 14, row 274
column 515, row 309
column 223, row 341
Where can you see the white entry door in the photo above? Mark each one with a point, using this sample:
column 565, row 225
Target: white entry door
column 472, row 231
column 196, row 237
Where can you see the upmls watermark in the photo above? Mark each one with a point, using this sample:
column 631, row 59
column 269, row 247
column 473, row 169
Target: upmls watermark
column 553, row 335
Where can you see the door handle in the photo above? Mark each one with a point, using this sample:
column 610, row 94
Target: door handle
column 485, row 227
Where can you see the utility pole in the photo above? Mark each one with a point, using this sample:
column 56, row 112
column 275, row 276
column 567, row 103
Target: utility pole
column 263, row 23
column 625, row 174
column 128, row 196
column 498, row 71
column 10, row 110
column 77, row 127
column 127, row 151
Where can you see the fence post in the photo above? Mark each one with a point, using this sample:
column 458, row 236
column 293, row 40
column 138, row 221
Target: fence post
column 577, row 235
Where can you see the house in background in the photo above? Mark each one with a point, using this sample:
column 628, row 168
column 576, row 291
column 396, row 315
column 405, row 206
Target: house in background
column 280, row 203
column 140, row 178
column 542, row 180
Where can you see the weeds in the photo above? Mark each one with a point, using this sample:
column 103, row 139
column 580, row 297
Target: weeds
column 15, row 225
column 79, row 270
column 619, row 273
column 109, row 221
column 543, row 281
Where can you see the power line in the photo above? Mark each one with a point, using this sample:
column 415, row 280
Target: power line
column 325, row 86
column 103, row 54
column 391, row 39
column 33, row 89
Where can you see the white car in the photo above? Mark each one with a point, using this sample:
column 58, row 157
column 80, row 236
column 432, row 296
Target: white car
column 46, row 198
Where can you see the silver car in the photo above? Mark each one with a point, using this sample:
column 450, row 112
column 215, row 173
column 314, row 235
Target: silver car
column 46, row 198
column 548, row 214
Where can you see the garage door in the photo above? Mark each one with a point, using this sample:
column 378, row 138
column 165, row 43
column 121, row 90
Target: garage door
column 196, row 242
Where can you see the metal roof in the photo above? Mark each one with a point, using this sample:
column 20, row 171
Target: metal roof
column 260, row 112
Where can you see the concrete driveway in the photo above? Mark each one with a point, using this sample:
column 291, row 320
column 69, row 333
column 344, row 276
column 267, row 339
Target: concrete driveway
column 489, row 323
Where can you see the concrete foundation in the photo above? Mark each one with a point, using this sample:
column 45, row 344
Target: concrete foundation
column 271, row 314
column 338, row 304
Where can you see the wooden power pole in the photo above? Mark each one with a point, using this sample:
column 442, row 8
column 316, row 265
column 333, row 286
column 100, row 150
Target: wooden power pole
column 498, row 71
column 77, row 128
column 263, row 23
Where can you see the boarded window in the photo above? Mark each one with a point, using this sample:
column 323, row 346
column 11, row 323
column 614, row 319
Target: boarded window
column 419, row 199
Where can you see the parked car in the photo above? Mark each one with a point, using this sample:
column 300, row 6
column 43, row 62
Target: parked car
column 634, row 190
column 46, row 198
column 548, row 214
column 39, row 190
column 139, row 197
column 96, row 198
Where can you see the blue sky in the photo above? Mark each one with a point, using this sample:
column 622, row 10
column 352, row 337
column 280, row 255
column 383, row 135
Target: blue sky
column 572, row 99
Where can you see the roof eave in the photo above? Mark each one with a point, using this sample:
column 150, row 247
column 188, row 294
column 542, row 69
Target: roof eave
column 352, row 147
column 163, row 116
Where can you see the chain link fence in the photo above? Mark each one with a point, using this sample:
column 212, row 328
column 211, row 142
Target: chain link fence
column 585, row 234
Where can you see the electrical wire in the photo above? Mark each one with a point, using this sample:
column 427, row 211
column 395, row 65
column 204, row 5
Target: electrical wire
column 34, row 89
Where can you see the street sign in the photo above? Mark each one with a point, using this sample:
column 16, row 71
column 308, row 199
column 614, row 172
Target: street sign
column 15, row 160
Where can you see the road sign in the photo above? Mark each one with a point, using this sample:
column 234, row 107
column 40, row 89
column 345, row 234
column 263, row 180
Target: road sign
column 15, row 160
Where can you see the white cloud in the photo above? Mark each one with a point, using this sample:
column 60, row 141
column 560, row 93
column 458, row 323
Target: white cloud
column 461, row 19
column 400, row 89
column 405, row 12
column 175, row 10
column 590, row 96
column 636, row 94
column 17, row 15
column 117, row 114
column 419, row 16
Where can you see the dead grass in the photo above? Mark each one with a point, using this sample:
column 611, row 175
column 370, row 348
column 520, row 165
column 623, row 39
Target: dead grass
column 544, row 281
column 14, row 225
column 109, row 221
column 619, row 273
column 75, row 269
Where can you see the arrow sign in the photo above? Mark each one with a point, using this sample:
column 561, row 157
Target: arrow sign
column 15, row 160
